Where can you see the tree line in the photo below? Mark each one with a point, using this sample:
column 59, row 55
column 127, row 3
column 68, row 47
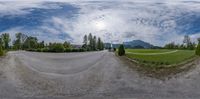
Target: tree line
column 187, row 44
column 30, row 43
column 92, row 43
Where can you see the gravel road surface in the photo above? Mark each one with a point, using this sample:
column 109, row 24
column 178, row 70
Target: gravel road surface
column 88, row 75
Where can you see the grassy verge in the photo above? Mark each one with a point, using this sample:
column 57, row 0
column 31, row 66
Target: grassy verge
column 147, row 50
column 161, row 65
column 161, row 59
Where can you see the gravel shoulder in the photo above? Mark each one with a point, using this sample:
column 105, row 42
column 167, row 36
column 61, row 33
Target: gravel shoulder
column 87, row 75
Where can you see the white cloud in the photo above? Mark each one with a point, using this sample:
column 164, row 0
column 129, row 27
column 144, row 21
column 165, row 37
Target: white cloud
column 123, row 20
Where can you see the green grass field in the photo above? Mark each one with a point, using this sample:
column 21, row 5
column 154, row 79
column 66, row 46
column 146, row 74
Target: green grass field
column 160, row 56
column 147, row 50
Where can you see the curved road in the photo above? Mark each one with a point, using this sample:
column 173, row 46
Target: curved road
column 87, row 75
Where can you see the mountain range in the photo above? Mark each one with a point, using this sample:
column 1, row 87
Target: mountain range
column 133, row 44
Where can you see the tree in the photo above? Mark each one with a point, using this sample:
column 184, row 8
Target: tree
column 191, row 46
column 170, row 46
column 20, row 39
column 67, row 45
column 187, row 41
column 198, row 48
column 30, row 43
column 56, row 47
column 1, row 49
column 85, row 39
column 90, row 38
column 99, row 43
column 41, row 44
column 94, row 43
column 121, row 51
column 6, row 39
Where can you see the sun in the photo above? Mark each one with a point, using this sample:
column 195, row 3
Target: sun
column 100, row 25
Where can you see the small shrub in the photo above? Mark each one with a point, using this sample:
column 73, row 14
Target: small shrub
column 82, row 50
column 39, row 50
column 1, row 51
column 68, row 50
column 114, row 49
column 45, row 50
column 75, row 50
column 121, row 51
column 197, row 52
column 57, row 47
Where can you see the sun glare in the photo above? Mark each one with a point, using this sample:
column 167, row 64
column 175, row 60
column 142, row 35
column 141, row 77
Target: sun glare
column 100, row 25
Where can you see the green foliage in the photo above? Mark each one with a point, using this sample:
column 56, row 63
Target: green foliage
column 92, row 43
column 20, row 39
column 30, row 43
column 187, row 44
column 6, row 39
column 67, row 45
column 68, row 50
column 197, row 52
column 114, row 49
column 85, row 40
column 56, row 47
column 45, row 49
column 1, row 51
column 41, row 44
column 121, row 50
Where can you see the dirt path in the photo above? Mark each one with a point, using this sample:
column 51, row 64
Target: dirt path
column 87, row 75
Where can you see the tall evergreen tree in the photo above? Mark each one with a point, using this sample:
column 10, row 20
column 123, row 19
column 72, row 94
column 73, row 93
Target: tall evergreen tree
column 85, row 39
column 121, row 51
column 99, row 43
column 90, row 38
column 94, row 43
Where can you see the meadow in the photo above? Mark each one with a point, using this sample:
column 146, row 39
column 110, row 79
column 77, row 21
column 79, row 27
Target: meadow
column 160, row 56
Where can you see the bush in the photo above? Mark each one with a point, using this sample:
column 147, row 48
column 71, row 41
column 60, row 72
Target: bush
column 121, row 51
column 82, row 50
column 45, row 50
column 39, row 50
column 1, row 51
column 57, row 47
column 68, row 50
column 114, row 49
column 33, row 50
column 197, row 52
column 75, row 50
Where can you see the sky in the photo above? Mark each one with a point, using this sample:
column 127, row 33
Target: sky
column 155, row 21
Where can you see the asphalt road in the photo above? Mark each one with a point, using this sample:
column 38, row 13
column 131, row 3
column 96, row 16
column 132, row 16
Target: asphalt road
column 87, row 75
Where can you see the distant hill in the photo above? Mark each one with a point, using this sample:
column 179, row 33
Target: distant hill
column 137, row 44
column 133, row 44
